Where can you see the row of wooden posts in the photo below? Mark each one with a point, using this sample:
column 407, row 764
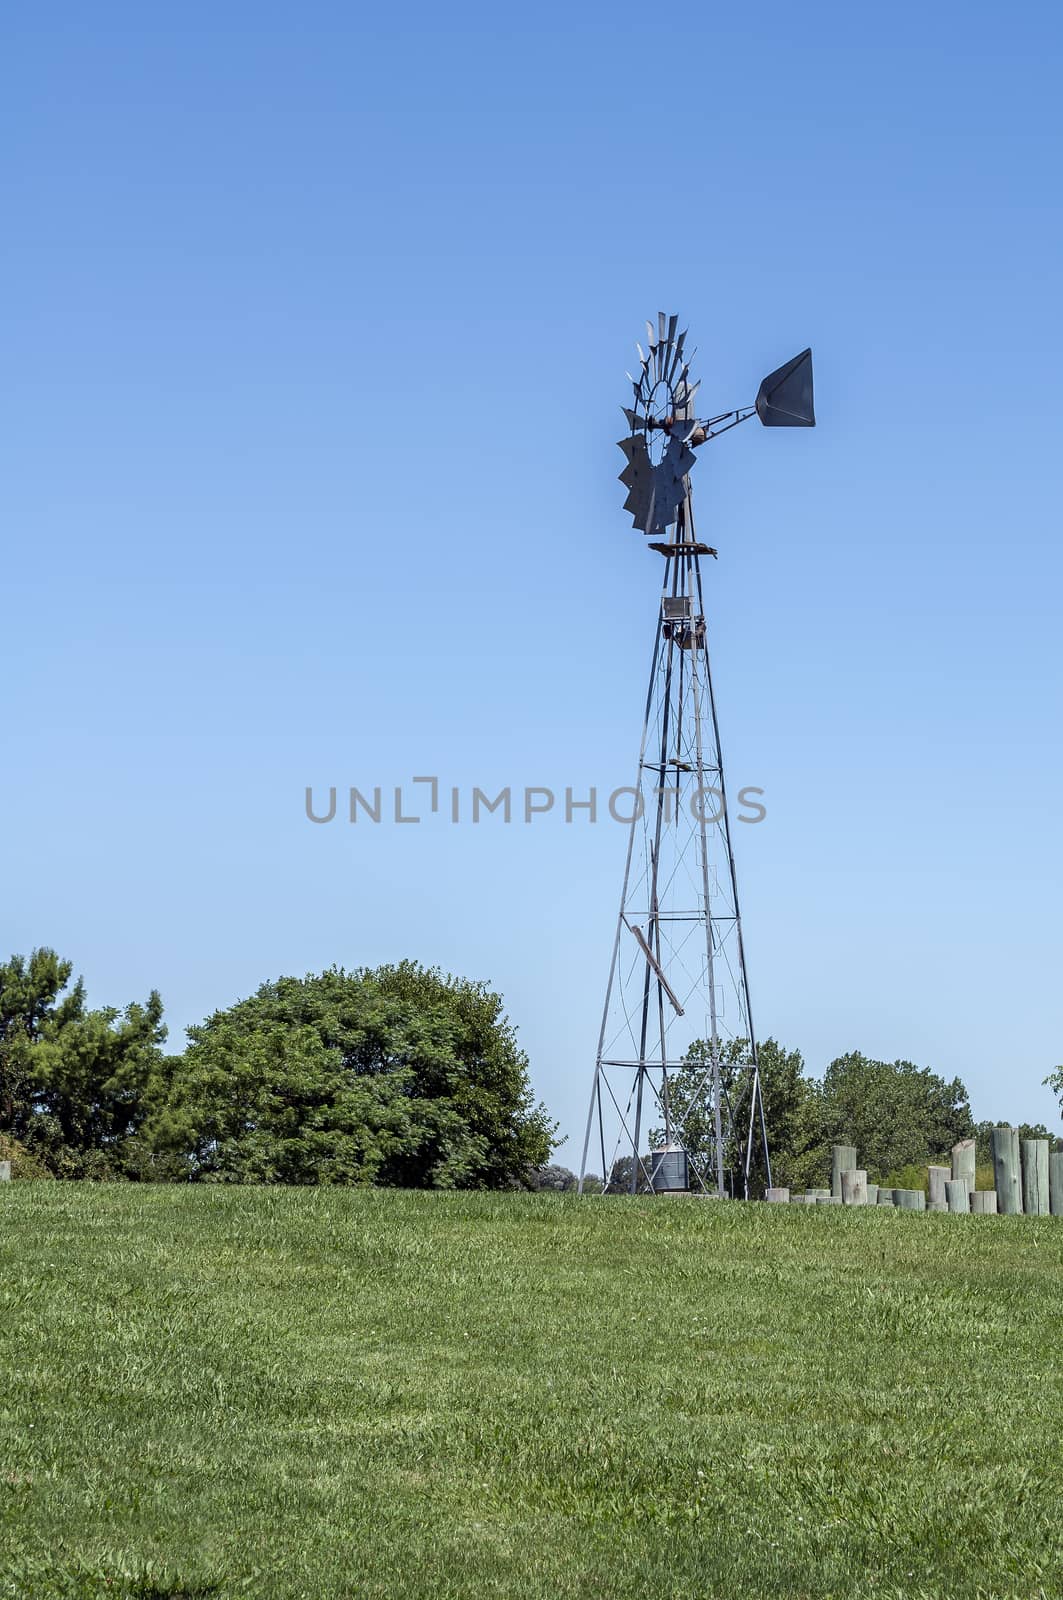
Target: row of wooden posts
column 1027, row 1178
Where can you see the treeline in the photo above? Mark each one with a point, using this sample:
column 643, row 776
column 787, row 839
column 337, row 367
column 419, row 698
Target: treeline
column 899, row 1116
column 398, row 1075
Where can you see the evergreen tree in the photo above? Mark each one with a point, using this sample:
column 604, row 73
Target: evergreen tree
column 75, row 1084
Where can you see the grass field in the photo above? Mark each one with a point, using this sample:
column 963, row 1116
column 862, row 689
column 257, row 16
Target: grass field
column 232, row 1392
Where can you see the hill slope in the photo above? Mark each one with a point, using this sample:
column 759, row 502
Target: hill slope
column 328, row 1393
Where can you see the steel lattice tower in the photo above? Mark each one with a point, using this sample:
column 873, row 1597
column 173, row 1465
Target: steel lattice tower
column 676, row 1101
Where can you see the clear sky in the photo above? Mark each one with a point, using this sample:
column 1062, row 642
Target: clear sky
column 315, row 322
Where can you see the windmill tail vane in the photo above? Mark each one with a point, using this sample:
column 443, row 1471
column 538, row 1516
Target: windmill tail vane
column 676, row 1098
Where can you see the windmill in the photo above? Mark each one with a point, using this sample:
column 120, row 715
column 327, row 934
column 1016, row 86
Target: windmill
column 676, row 1101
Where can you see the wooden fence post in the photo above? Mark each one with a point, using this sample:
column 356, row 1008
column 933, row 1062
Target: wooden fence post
column 5, row 1172
column 829, row 1200
column 854, row 1186
column 958, row 1195
column 963, row 1162
column 885, row 1196
column 936, row 1178
column 872, row 1194
column 1055, row 1183
column 984, row 1202
column 778, row 1197
column 842, row 1157
column 910, row 1199
column 1035, row 1177
column 1007, row 1170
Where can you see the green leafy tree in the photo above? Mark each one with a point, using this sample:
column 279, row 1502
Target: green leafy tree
column 1025, row 1130
column 396, row 1076
column 790, row 1110
column 556, row 1179
column 75, row 1084
column 895, row 1113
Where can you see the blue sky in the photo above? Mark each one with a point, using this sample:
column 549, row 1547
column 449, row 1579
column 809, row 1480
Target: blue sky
column 314, row 335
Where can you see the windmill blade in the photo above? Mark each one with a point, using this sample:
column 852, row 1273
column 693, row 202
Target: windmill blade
column 639, row 504
column 684, row 400
column 638, row 460
column 642, row 481
column 675, row 348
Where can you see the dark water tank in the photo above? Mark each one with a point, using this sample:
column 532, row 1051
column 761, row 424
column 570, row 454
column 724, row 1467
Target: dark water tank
column 669, row 1169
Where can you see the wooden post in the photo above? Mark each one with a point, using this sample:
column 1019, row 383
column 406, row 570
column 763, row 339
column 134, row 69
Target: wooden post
column 778, row 1197
column 842, row 1157
column 872, row 1194
column 5, row 1172
column 854, row 1187
column 1055, row 1183
column 910, row 1199
column 958, row 1195
column 829, row 1200
column 984, row 1202
column 819, row 1194
column 937, row 1177
column 885, row 1196
column 963, row 1162
column 1007, row 1171
column 1035, row 1177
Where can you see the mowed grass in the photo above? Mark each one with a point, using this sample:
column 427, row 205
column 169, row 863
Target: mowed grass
column 282, row 1392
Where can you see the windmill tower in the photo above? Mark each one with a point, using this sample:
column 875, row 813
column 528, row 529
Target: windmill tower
column 676, row 1100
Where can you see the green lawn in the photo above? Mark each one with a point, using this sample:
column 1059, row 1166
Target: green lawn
column 289, row 1392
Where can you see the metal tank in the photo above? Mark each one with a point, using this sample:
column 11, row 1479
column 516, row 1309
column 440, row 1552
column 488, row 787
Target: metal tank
column 669, row 1169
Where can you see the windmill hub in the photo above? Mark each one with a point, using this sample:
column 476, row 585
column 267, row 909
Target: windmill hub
column 658, row 422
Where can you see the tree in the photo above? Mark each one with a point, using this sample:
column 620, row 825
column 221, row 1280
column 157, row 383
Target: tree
column 396, row 1076
column 895, row 1113
column 790, row 1110
column 75, row 1084
column 793, row 1113
column 558, row 1179
column 1025, row 1130
column 1054, row 1081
